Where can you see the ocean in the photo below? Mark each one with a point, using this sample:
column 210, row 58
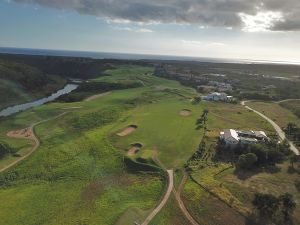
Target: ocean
column 128, row 56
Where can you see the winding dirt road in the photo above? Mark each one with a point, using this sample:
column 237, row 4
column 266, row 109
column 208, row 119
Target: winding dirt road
column 34, row 138
column 277, row 128
column 287, row 100
column 180, row 202
column 164, row 200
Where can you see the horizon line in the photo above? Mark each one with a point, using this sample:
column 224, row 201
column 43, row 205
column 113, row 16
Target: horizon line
column 166, row 56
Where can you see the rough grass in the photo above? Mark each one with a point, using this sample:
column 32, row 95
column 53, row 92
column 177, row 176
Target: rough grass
column 170, row 214
column 271, row 183
column 207, row 209
column 277, row 113
column 293, row 106
column 76, row 176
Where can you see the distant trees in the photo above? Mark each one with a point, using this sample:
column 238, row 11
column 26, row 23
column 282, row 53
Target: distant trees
column 270, row 208
column 196, row 100
column 201, row 121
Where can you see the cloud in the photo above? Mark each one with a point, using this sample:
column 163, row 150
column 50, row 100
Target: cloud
column 220, row 13
column 133, row 29
column 192, row 43
column 262, row 21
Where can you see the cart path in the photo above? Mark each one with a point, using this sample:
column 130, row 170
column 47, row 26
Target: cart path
column 164, row 200
column 287, row 100
column 180, row 202
column 93, row 97
column 36, row 141
column 277, row 128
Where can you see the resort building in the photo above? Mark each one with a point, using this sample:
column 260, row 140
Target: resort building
column 216, row 96
column 234, row 137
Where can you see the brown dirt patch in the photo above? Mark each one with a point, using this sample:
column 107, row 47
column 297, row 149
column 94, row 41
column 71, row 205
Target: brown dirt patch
column 134, row 149
column 185, row 112
column 96, row 96
column 128, row 130
column 24, row 133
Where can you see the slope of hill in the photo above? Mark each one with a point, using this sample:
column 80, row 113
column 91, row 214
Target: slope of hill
column 21, row 83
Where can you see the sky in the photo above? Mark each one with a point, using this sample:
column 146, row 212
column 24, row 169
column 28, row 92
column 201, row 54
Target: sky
column 232, row 29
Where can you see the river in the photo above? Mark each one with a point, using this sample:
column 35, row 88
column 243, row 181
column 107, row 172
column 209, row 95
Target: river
column 18, row 108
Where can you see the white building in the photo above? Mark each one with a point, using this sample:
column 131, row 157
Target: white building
column 216, row 96
column 234, row 137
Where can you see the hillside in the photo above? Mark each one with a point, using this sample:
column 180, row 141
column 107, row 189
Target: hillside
column 21, row 83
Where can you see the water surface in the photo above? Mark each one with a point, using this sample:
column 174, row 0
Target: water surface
column 18, row 108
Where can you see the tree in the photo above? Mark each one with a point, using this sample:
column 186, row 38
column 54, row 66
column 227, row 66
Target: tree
column 294, row 159
column 288, row 205
column 197, row 100
column 291, row 127
column 246, row 161
column 274, row 209
column 266, row 205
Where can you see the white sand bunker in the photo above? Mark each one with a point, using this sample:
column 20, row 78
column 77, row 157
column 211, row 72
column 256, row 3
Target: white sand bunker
column 185, row 112
column 134, row 149
column 128, row 130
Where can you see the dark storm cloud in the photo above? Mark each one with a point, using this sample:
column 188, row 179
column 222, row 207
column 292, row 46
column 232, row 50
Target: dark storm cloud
column 224, row 13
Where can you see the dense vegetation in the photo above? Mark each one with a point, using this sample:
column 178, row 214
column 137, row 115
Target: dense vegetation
column 250, row 81
column 21, row 83
column 5, row 149
column 254, row 156
column 96, row 87
column 293, row 106
column 270, row 208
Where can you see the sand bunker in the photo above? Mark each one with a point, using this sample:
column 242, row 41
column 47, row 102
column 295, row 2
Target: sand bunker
column 135, row 148
column 185, row 112
column 128, row 130
column 24, row 133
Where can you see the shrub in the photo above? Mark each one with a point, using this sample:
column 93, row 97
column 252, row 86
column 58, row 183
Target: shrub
column 247, row 161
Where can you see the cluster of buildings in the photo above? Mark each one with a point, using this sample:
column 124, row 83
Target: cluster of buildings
column 216, row 96
column 216, row 86
column 233, row 137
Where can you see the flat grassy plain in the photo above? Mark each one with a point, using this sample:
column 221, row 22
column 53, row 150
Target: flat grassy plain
column 282, row 116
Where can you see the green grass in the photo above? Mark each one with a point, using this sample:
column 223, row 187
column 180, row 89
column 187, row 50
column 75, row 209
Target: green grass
column 293, row 106
column 78, row 175
column 161, row 128
column 170, row 214
column 277, row 113
column 272, row 183
column 205, row 207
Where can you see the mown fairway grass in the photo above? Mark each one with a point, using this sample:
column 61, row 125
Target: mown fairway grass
column 163, row 130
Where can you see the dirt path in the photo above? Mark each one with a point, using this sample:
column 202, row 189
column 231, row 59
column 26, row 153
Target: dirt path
column 287, row 100
column 93, row 97
column 180, row 202
column 164, row 200
column 279, row 131
column 33, row 137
